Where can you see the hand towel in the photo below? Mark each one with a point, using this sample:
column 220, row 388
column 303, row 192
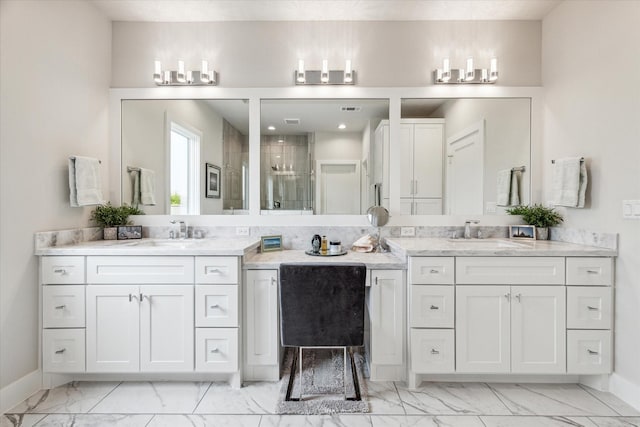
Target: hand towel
column 514, row 193
column 147, row 187
column 135, row 187
column 364, row 244
column 569, row 182
column 504, row 187
column 84, row 181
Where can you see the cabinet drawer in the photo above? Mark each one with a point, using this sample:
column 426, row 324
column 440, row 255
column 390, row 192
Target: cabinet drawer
column 217, row 270
column 432, row 306
column 589, row 307
column 63, row 306
column 589, row 352
column 432, row 350
column 62, row 270
column 216, row 349
column 590, row 271
column 510, row 270
column 216, row 305
column 431, row 270
column 63, row 350
column 139, row 269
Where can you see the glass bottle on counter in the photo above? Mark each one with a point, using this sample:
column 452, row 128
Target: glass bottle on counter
column 323, row 245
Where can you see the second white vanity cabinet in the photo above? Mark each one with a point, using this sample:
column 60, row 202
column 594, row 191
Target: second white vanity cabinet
column 261, row 341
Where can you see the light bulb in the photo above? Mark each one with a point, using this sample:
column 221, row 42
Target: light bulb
column 493, row 71
column 167, row 78
column 485, row 75
column 446, row 70
column 180, row 75
column 300, row 77
column 157, row 72
column 189, row 76
column 461, row 75
column 324, row 74
column 348, row 72
column 470, row 75
column 204, row 72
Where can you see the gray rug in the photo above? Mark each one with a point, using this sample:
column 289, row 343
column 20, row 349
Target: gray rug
column 322, row 373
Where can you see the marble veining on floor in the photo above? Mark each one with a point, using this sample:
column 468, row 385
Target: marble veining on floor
column 177, row 404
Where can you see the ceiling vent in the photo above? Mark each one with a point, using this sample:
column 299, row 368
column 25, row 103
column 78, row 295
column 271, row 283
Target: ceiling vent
column 350, row 109
column 291, row 121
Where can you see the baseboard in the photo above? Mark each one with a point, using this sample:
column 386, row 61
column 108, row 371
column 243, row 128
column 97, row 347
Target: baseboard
column 625, row 390
column 19, row 390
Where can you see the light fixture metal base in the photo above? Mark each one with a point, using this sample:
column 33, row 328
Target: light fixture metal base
column 196, row 80
column 336, row 77
column 455, row 78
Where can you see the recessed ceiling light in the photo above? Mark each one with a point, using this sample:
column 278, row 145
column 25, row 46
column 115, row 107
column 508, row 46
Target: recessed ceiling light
column 280, row 140
column 342, row 126
column 271, row 127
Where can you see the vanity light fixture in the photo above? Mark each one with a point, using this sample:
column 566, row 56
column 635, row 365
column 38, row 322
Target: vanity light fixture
column 325, row 76
column 183, row 77
column 467, row 75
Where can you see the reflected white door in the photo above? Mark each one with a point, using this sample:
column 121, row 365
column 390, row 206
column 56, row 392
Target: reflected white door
column 465, row 171
column 338, row 187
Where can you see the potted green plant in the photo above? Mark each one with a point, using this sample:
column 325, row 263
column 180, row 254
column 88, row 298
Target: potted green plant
column 538, row 215
column 175, row 199
column 109, row 217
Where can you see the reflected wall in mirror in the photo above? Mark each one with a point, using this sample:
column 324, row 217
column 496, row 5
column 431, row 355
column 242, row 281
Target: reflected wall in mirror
column 317, row 156
column 465, row 156
column 165, row 146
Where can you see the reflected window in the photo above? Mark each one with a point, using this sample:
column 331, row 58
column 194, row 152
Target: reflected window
column 184, row 171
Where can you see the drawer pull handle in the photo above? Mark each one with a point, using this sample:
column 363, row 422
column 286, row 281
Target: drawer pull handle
column 213, row 270
column 60, row 270
column 60, row 307
column 215, row 350
column 593, row 272
column 61, row 351
column 214, row 306
column 593, row 308
column 434, row 351
column 518, row 296
column 434, row 271
column 592, row 352
column 508, row 296
column 435, row 307
column 132, row 297
column 273, row 281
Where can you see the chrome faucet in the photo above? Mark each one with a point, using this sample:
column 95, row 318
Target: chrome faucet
column 467, row 227
column 182, row 233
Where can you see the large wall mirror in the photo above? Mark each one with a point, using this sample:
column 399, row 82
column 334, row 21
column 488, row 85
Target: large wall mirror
column 316, row 156
column 464, row 156
column 185, row 157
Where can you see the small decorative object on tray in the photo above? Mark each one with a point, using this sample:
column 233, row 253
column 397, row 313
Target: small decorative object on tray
column 126, row 232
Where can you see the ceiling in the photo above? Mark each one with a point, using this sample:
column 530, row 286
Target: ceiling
column 323, row 10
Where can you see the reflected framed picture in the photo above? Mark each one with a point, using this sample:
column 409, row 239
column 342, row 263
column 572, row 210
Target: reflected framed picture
column 523, row 232
column 212, row 181
column 270, row 243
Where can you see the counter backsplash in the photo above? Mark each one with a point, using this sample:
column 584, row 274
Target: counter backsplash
column 296, row 237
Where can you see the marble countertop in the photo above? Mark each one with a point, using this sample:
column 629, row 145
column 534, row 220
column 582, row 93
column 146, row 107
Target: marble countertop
column 210, row 246
column 271, row 260
column 491, row 247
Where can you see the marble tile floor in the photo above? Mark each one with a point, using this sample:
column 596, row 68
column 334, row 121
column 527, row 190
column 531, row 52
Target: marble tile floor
column 177, row 404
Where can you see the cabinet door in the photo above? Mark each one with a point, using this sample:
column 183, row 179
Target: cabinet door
column 538, row 329
column 166, row 328
column 113, row 328
column 406, row 160
column 427, row 206
column 482, row 329
column 406, row 206
column 387, row 317
column 427, row 160
column 261, row 308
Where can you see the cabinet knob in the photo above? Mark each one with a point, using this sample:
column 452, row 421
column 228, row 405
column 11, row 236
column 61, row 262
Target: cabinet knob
column 61, row 351
column 60, row 307
column 591, row 308
column 592, row 352
column 434, row 351
column 434, row 307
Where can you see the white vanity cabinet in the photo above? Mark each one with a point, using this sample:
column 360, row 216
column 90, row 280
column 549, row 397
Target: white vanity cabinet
column 385, row 304
column 261, row 341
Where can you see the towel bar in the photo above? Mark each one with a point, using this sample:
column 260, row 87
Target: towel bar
column 581, row 160
column 74, row 157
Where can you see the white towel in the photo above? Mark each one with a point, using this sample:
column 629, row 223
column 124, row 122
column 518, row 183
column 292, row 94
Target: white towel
column 504, row 187
column 364, row 244
column 147, row 187
column 569, row 183
column 514, row 193
column 135, row 187
column 84, row 181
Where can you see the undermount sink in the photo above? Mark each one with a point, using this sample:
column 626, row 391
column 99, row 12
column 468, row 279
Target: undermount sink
column 490, row 243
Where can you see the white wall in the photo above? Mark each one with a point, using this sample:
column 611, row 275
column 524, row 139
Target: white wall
column 143, row 145
column 591, row 73
column 265, row 54
column 338, row 146
column 55, row 68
